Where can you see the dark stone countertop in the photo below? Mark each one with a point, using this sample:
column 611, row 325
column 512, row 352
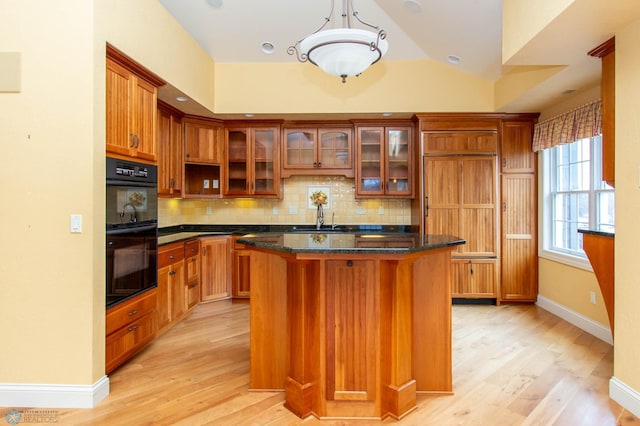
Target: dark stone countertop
column 172, row 234
column 596, row 232
column 349, row 242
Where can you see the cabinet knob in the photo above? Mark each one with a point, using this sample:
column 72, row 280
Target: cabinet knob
column 132, row 313
column 171, row 256
column 133, row 327
column 349, row 263
column 187, row 155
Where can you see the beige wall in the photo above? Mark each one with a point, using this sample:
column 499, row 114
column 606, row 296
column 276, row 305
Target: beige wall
column 570, row 287
column 397, row 86
column 627, row 290
column 48, row 286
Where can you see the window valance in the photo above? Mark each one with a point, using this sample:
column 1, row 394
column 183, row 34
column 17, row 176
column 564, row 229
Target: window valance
column 579, row 123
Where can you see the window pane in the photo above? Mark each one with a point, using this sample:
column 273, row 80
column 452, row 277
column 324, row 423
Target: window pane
column 606, row 211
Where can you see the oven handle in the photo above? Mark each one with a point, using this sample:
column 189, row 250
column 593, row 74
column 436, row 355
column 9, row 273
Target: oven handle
column 131, row 183
column 132, row 229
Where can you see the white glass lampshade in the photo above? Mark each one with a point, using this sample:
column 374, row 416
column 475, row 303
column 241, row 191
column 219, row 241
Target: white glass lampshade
column 343, row 52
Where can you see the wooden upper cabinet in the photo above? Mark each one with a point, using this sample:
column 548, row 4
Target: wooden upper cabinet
column 317, row 151
column 131, row 100
column 460, row 142
column 169, row 152
column 517, row 153
column 606, row 51
column 252, row 162
column 203, row 141
column 384, row 162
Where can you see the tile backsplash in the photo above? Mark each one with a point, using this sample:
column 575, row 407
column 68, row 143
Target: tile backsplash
column 294, row 208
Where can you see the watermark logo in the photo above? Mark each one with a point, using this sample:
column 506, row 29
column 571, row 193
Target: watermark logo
column 14, row 416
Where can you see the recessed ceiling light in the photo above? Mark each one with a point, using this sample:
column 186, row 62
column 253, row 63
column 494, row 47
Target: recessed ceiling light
column 412, row 6
column 182, row 99
column 387, row 114
column 248, row 115
column 216, row 4
column 453, row 59
column 268, row 47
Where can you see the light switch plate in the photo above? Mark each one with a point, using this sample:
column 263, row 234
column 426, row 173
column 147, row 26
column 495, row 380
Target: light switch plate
column 76, row 224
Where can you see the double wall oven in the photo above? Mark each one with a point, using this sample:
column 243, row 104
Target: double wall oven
column 132, row 229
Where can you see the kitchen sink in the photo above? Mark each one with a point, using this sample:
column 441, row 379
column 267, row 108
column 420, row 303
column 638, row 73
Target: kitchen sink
column 305, row 229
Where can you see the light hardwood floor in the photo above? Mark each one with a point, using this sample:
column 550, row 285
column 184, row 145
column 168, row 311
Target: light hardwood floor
column 512, row 365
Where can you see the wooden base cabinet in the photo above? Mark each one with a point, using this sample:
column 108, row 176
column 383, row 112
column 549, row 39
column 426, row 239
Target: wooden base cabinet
column 171, row 285
column 216, row 268
column 129, row 327
column 192, row 260
column 474, row 278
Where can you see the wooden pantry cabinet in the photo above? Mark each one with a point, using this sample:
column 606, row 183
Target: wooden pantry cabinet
column 131, row 102
column 479, row 183
column 519, row 247
column 384, row 161
column 317, row 150
column 252, row 166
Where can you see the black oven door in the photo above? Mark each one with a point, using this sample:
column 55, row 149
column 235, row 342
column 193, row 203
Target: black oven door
column 131, row 262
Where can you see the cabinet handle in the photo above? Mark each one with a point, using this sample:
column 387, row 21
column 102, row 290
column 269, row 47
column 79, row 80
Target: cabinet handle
column 171, row 183
column 132, row 142
column 426, row 205
column 132, row 313
column 187, row 155
column 319, row 164
column 471, row 266
column 204, row 251
column 504, row 207
column 133, row 327
column 504, row 163
column 192, row 285
column 349, row 263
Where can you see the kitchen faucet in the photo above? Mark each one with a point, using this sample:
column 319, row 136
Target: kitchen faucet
column 319, row 217
column 134, row 217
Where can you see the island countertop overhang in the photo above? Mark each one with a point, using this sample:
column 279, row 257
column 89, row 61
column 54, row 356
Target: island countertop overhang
column 350, row 243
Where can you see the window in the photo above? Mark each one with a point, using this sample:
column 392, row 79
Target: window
column 575, row 197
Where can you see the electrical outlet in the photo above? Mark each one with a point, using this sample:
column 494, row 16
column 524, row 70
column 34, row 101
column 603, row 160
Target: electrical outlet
column 592, row 297
column 293, row 210
column 209, row 210
column 76, row 224
column 216, row 184
column 380, row 210
column 359, row 210
column 205, row 184
column 274, row 211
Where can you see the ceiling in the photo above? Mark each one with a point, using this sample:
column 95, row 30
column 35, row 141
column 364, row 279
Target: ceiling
column 233, row 31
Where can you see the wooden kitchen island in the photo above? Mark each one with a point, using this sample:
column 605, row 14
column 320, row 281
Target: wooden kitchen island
column 350, row 325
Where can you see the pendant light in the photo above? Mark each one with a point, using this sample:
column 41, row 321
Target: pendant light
column 345, row 51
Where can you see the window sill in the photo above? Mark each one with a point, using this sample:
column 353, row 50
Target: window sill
column 575, row 261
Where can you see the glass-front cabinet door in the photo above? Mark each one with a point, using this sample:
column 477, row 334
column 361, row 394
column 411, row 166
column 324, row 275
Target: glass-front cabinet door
column 398, row 168
column 251, row 162
column 369, row 161
column 264, row 172
column 384, row 164
column 238, row 151
column 317, row 151
column 300, row 149
column 334, row 149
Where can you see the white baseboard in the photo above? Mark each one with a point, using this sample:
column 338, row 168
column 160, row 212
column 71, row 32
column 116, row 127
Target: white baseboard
column 624, row 395
column 53, row 396
column 590, row 326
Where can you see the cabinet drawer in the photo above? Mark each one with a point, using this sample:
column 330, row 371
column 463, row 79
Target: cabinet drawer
column 170, row 254
column 192, row 248
column 122, row 344
column 131, row 310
